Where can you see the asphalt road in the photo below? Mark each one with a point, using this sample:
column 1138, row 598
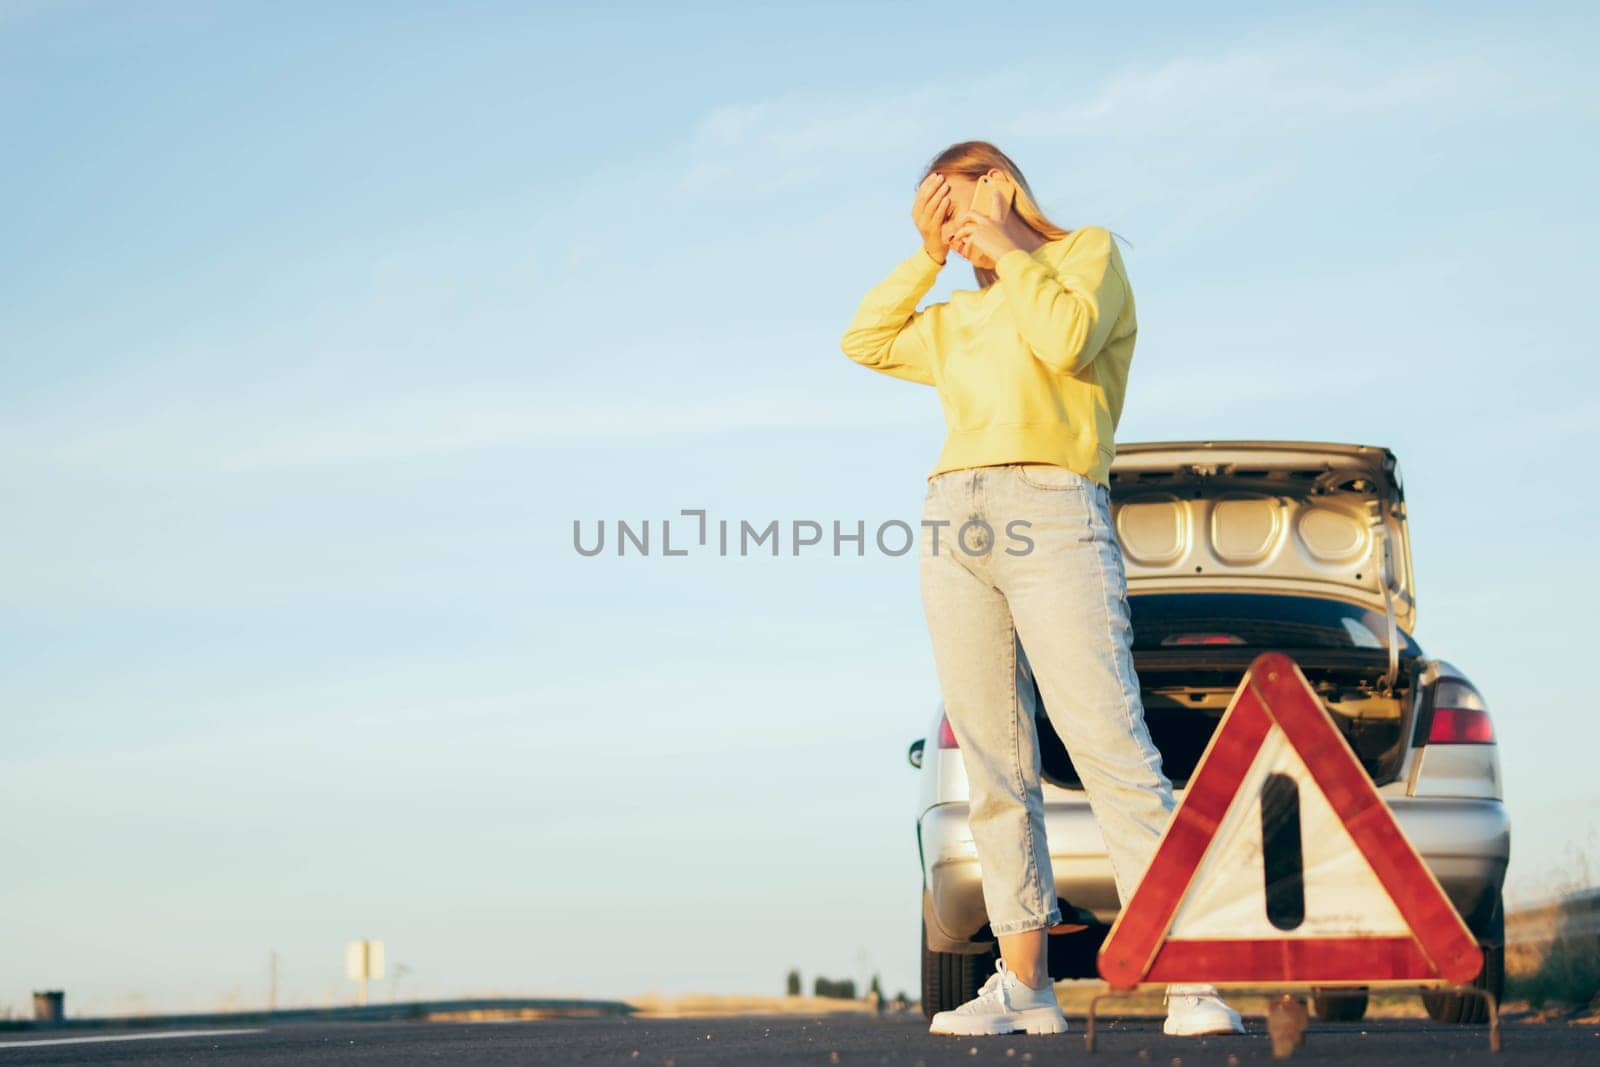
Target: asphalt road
column 827, row 1039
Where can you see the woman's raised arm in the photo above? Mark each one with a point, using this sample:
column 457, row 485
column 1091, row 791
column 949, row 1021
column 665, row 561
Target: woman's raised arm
column 888, row 334
column 1065, row 315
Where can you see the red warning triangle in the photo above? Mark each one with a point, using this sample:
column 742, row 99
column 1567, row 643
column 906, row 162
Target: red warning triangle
column 1283, row 864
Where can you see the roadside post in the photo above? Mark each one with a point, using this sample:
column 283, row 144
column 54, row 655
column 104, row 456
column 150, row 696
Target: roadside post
column 363, row 960
column 49, row 1006
column 1282, row 870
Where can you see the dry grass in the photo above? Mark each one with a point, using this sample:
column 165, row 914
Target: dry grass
column 712, row 1004
column 1553, row 948
column 1073, row 994
column 1558, row 965
column 508, row 1015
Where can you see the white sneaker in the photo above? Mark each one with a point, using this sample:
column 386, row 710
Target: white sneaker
column 1196, row 1009
column 1004, row 1004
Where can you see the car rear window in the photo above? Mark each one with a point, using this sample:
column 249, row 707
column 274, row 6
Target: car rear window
column 1165, row 621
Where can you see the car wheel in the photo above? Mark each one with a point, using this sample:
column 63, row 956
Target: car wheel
column 1456, row 1008
column 949, row 979
column 1339, row 1005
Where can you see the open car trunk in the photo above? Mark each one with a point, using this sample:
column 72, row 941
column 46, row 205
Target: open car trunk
column 1186, row 692
column 1233, row 548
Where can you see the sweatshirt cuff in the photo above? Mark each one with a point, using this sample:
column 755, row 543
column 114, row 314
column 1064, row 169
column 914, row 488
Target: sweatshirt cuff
column 1012, row 261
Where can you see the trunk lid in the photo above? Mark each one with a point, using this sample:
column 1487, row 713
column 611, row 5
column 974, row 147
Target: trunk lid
column 1309, row 517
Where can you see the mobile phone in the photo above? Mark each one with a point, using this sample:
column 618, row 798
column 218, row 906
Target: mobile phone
column 983, row 196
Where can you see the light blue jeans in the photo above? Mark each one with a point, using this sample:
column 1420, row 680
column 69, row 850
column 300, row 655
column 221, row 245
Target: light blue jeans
column 988, row 597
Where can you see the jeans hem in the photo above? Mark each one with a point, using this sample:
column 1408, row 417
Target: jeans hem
column 1022, row 926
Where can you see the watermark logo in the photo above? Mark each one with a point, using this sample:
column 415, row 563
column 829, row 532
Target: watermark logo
column 696, row 533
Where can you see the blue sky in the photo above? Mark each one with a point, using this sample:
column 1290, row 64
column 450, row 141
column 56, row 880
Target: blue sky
column 322, row 325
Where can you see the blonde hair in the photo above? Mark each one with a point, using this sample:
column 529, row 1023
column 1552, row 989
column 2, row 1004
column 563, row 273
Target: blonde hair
column 973, row 159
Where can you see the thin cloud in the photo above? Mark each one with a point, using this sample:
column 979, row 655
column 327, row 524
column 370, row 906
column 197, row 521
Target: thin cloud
column 409, row 428
column 564, row 423
column 1294, row 85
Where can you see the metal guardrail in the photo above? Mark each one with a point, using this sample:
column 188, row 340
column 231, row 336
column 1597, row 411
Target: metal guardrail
column 1574, row 914
column 416, row 1009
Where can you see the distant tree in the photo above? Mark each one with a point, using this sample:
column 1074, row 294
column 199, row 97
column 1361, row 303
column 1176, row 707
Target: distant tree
column 843, row 989
column 875, row 993
column 794, row 983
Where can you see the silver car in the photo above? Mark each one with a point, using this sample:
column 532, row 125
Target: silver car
column 1231, row 548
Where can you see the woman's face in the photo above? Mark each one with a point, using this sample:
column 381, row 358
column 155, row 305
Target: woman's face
column 961, row 190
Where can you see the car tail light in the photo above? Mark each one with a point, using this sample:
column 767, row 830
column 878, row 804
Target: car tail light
column 1459, row 716
column 1202, row 639
column 947, row 736
column 1461, row 726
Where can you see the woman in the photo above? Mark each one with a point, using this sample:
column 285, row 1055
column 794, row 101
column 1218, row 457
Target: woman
column 1031, row 370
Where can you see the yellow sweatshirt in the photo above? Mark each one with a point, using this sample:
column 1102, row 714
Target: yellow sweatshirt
column 1031, row 369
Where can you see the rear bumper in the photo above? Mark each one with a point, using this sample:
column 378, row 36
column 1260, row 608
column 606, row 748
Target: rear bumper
column 1466, row 843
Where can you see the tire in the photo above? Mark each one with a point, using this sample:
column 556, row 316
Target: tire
column 1470, row 1011
column 1455, row 1008
column 949, row 979
column 1339, row 1005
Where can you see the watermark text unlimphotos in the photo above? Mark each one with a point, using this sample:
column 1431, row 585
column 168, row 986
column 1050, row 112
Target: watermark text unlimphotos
column 694, row 533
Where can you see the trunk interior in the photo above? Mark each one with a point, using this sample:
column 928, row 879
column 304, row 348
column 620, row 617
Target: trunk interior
column 1186, row 691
